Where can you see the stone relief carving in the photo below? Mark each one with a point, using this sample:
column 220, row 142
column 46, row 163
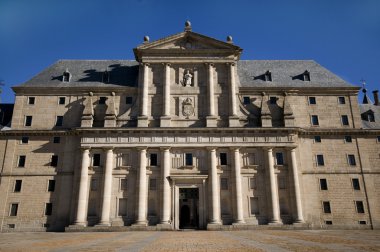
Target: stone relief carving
column 187, row 107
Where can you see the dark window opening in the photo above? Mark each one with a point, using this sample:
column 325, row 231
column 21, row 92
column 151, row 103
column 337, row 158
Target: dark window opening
column 25, row 140
column 306, row 76
column 61, row 100
column 314, row 120
column 326, row 207
column 268, row 76
column 328, row 222
column 359, row 206
column 96, row 160
column 320, row 160
column 18, row 184
column 341, row 100
column 246, row 100
column 223, row 158
column 48, row 208
column 312, row 100
column 189, row 159
column 345, row 120
column 362, row 222
column 51, row 186
column 280, row 158
column 317, row 139
column 56, row 140
column 348, row 139
column 21, row 161
column 378, row 139
column 128, row 100
column 351, row 159
column 106, row 77
column 54, row 161
column 371, row 117
column 355, row 184
column 273, row 100
column 31, row 100
column 28, row 121
column 14, row 209
column 323, row 184
column 59, row 121
column 223, row 184
column 102, row 100
column 153, row 159
column 66, row 77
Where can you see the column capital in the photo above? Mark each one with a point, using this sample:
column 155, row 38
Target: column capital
column 141, row 148
column 211, row 148
column 269, row 149
column 230, row 63
column 234, row 148
column 209, row 64
column 144, row 64
column 85, row 148
column 165, row 148
column 108, row 148
column 166, row 64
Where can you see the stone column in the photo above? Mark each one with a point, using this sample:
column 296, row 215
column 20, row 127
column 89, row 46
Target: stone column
column 233, row 118
column 239, row 218
column 165, row 172
column 165, row 118
column 107, row 189
column 211, row 119
column 81, row 218
column 297, row 191
column 143, row 118
column 214, row 186
column 273, row 189
column 142, row 196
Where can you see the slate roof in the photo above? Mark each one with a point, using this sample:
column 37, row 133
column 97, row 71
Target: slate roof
column 376, row 111
column 87, row 73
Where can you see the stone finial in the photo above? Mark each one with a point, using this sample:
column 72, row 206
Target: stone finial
column 146, row 39
column 229, row 40
column 187, row 26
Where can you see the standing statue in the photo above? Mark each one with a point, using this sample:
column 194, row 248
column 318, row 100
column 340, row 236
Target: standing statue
column 187, row 78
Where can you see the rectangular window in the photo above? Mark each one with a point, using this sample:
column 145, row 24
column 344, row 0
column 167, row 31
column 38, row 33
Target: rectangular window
column 122, row 207
column 25, row 140
column 51, row 185
column 223, row 184
column 14, row 209
column 152, row 184
column 61, row 100
column 317, row 139
column 279, row 158
column 254, row 205
column 21, row 161
column 96, row 159
column 153, row 159
column 328, row 222
column 351, row 159
column 59, row 121
column 355, row 184
column 31, row 100
column 312, row 100
column 359, row 206
column 54, row 161
column 123, row 184
column 345, row 120
column 341, row 100
column 94, row 185
column 273, row 100
column 102, row 100
column 378, row 139
column 314, row 120
column 362, row 222
column 348, row 139
column 189, row 159
column 246, row 100
column 28, row 121
column 223, row 158
column 128, row 100
column 326, row 207
column 320, row 160
column 48, row 209
column 252, row 183
column 18, row 184
column 56, row 139
column 323, row 184
column 281, row 183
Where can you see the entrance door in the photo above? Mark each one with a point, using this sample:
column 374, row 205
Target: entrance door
column 188, row 208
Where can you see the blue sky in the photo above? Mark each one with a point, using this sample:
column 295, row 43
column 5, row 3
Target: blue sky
column 342, row 35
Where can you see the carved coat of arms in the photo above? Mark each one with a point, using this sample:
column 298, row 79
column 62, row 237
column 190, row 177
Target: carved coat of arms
column 187, row 107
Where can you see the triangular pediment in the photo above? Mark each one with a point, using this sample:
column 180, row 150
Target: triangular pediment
column 186, row 42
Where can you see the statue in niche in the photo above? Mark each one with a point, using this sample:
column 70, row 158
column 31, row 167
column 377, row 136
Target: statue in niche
column 187, row 107
column 187, row 79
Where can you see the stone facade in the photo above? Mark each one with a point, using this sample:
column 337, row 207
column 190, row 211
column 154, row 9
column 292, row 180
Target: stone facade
column 188, row 136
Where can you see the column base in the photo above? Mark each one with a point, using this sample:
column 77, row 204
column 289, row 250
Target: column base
column 239, row 223
column 275, row 223
column 299, row 222
column 214, row 226
column 165, row 121
column 142, row 121
column 233, row 121
column 104, row 224
column 211, row 121
column 139, row 226
column 164, row 227
column 79, row 224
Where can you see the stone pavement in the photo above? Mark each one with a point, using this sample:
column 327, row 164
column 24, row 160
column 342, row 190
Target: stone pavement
column 253, row 240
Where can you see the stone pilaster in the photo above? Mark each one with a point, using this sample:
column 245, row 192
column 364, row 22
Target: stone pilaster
column 143, row 117
column 211, row 118
column 233, row 120
column 266, row 117
column 238, row 218
column 288, row 112
column 88, row 112
column 297, row 190
column 142, row 189
column 81, row 216
column 107, row 189
column 273, row 189
column 165, row 118
column 110, row 117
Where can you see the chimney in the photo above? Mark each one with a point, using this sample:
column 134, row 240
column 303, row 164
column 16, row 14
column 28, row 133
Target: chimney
column 376, row 97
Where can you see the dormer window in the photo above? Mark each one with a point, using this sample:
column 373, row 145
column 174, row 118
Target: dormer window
column 106, row 77
column 66, row 76
column 306, row 76
column 371, row 117
column 368, row 116
column 268, row 76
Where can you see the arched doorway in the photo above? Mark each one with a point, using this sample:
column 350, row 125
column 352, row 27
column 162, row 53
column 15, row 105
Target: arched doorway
column 188, row 207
